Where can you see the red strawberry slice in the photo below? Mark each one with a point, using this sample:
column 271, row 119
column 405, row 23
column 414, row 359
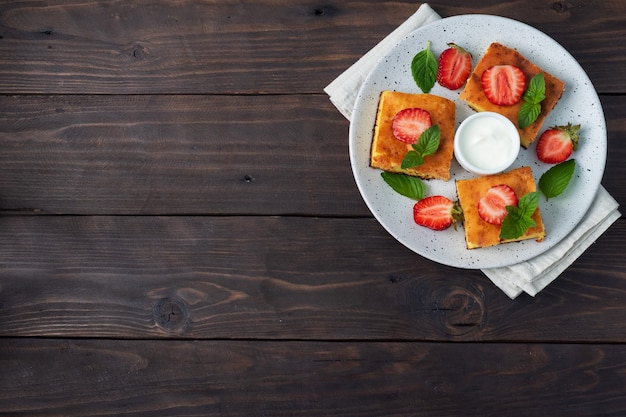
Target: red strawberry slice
column 492, row 206
column 436, row 212
column 503, row 84
column 454, row 67
column 409, row 124
column 556, row 144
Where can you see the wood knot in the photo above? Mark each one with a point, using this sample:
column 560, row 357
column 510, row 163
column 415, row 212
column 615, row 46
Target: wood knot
column 458, row 311
column 171, row 314
column 560, row 6
column 323, row 11
column 139, row 52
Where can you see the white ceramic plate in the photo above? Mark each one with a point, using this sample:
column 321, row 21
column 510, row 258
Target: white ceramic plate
column 579, row 104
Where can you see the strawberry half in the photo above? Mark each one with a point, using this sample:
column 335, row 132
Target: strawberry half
column 409, row 124
column 556, row 144
column 437, row 212
column 454, row 67
column 503, row 84
column 492, row 206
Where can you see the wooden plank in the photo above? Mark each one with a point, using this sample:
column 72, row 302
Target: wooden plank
column 184, row 47
column 616, row 133
column 175, row 155
column 49, row 377
column 280, row 278
column 205, row 155
column 138, row 47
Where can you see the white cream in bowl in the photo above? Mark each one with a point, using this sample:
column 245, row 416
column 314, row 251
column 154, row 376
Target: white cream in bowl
column 486, row 143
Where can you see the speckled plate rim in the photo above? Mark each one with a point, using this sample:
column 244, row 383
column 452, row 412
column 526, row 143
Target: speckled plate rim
column 579, row 104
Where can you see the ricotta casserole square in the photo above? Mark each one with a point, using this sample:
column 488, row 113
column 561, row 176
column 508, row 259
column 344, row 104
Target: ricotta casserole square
column 498, row 54
column 481, row 234
column 388, row 152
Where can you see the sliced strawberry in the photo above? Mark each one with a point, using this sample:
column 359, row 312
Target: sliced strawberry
column 492, row 206
column 409, row 124
column 556, row 144
column 436, row 212
column 454, row 67
column 503, row 84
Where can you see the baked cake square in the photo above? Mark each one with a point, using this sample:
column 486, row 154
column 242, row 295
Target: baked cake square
column 479, row 233
column 388, row 152
column 498, row 54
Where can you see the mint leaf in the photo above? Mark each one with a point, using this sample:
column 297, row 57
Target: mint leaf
column 428, row 142
column 424, row 69
column 519, row 219
column 528, row 203
column 536, row 91
column 528, row 113
column 412, row 159
column 411, row 187
column 555, row 180
column 533, row 96
column 515, row 224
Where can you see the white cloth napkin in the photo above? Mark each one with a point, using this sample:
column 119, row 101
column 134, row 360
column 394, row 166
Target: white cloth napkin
column 531, row 276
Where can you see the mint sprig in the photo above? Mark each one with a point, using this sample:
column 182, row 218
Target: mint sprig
column 519, row 218
column 533, row 96
column 408, row 186
column 424, row 69
column 427, row 144
column 555, row 180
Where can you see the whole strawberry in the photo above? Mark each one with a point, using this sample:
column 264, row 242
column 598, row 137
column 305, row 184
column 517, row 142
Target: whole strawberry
column 556, row 144
column 454, row 67
column 437, row 212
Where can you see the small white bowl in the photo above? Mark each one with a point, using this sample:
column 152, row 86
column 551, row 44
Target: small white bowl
column 486, row 143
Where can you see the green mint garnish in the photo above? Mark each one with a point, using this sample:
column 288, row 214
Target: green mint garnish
column 427, row 144
column 536, row 91
column 528, row 113
column 519, row 219
column 555, row 180
column 412, row 159
column 411, row 187
column 533, row 96
column 424, row 69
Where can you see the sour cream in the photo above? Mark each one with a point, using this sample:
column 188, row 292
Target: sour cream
column 486, row 143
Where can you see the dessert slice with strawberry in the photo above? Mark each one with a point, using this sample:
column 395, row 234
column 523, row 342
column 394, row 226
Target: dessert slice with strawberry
column 409, row 124
column 556, row 144
column 501, row 203
column 454, row 67
column 437, row 212
column 492, row 205
column 503, row 85
column 401, row 120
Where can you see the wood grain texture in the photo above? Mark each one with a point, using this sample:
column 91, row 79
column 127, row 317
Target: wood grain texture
column 280, row 278
column 185, row 47
column 138, row 378
column 210, row 47
column 278, row 155
column 175, row 155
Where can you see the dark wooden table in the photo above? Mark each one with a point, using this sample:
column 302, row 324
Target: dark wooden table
column 181, row 234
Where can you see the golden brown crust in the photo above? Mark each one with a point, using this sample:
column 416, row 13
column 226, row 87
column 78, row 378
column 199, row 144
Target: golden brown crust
column 498, row 54
column 479, row 233
column 387, row 151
